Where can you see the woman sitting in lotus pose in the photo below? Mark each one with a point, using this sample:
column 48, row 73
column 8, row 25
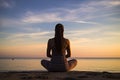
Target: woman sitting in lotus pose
column 59, row 45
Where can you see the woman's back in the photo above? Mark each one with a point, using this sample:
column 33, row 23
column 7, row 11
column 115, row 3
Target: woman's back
column 55, row 52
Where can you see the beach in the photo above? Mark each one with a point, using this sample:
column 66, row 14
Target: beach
column 71, row 75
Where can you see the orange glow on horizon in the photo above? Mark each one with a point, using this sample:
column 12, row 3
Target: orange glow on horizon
column 39, row 50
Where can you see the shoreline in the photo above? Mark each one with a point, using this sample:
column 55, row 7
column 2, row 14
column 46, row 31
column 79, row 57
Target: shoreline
column 71, row 75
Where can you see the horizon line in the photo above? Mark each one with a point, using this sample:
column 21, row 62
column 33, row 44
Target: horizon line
column 68, row 58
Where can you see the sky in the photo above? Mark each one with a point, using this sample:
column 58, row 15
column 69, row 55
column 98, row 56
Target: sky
column 92, row 26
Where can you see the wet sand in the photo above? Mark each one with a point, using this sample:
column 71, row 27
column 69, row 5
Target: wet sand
column 72, row 75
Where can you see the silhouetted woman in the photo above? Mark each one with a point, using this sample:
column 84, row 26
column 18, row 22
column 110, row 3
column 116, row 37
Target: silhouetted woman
column 59, row 45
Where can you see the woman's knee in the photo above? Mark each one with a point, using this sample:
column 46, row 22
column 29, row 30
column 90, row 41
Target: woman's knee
column 42, row 62
column 72, row 63
column 45, row 64
column 75, row 61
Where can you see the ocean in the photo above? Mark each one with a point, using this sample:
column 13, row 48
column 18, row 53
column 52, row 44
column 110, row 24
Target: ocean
column 110, row 65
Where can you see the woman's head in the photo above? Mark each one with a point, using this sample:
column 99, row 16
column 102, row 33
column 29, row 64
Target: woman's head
column 59, row 29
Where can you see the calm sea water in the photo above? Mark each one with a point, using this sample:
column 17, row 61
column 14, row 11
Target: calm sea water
column 111, row 65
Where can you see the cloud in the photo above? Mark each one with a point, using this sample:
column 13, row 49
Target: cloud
column 29, row 35
column 97, row 34
column 113, row 34
column 114, row 3
column 6, row 3
column 41, row 18
column 52, row 17
column 82, row 13
column 96, row 9
column 103, row 3
column 8, row 22
column 86, row 31
column 24, row 38
column 76, row 36
column 85, row 22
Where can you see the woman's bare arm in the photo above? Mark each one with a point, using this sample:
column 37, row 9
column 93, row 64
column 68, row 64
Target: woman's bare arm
column 49, row 49
column 68, row 49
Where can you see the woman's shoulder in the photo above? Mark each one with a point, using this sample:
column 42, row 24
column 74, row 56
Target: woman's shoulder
column 67, row 40
column 51, row 39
